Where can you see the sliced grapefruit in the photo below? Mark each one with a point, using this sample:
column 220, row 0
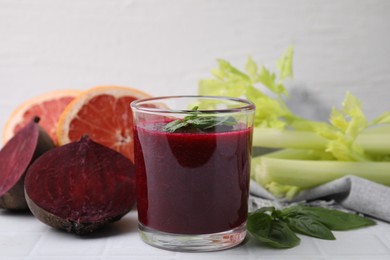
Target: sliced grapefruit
column 48, row 107
column 104, row 114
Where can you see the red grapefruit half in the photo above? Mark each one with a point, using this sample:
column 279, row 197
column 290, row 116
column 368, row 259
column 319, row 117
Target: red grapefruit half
column 104, row 114
column 48, row 107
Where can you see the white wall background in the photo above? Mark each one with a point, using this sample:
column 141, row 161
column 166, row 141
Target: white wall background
column 165, row 47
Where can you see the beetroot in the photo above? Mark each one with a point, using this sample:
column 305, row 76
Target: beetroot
column 80, row 186
column 18, row 153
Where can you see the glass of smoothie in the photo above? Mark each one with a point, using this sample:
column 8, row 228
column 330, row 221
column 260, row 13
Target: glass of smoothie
column 192, row 160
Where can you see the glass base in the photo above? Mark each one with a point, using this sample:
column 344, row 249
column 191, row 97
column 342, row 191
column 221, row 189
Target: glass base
column 188, row 242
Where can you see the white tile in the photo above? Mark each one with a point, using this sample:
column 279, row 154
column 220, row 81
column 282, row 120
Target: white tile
column 382, row 227
column 349, row 244
column 384, row 257
column 17, row 243
column 386, row 239
column 285, row 257
column 58, row 243
column 212, row 256
column 140, row 258
column 24, row 222
column 131, row 244
column 13, row 258
column 64, row 258
column 307, row 247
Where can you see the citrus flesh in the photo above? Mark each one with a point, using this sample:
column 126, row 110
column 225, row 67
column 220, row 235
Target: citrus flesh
column 48, row 107
column 104, row 114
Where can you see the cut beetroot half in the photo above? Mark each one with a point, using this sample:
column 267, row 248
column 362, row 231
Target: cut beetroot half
column 80, row 186
column 15, row 157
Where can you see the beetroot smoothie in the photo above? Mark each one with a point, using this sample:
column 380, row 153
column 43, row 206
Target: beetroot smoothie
column 192, row 183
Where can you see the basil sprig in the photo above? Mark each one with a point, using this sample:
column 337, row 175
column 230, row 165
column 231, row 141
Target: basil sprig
column 197, row 121
column 278, row 228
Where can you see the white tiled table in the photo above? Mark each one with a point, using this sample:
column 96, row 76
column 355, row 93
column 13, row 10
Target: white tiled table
column 24, row 237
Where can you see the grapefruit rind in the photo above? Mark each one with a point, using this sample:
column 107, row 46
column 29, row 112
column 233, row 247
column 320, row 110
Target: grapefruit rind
column 17, row 115
column 74, row 107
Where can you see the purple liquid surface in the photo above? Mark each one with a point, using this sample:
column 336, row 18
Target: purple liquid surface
column 192, row 183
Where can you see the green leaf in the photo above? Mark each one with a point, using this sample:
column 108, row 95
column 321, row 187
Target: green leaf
column 175, row 125
column 252, row 69
column 216, row 87
column 338, row 120
column 352, row 107
column 308, row 226
column 281, row 236
column 226, row 70
column 271, row 232
column 281, row 190
column 197, row 121
column 268, row 79
column 346, row 125
column 333, row 219
column 212, row 87
column 259, row 224
column 230, row 81
column 284, row 64
column 382, row 119
column 226, row 121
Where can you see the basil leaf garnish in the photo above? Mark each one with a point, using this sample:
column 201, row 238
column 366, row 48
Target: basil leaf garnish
column 307, row 226
column 271, row 231
column 200, row 122
column 276, row 228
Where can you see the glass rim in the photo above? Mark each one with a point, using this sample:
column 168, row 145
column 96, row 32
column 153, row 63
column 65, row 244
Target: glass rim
column 247, row 105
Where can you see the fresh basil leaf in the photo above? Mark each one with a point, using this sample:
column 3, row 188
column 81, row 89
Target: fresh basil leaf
column 226, row 121
column 270, row 231
column 175, row 125
column 333, row 219
column 310, row 227
column 280, row 236
column 197, row 121
column 276, row 228
column 203, row 122
column 259, row 223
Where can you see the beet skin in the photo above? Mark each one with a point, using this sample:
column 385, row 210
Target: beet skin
column 80, row 186
column 18, row 153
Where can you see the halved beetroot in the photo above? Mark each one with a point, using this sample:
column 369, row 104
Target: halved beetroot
column 15, row 157
column 80, row 186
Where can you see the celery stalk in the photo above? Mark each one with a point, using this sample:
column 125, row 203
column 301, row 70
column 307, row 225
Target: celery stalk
column 378, row 143
column 305, row 174
column 277, row 138
column 298, row 154
column 374, row 143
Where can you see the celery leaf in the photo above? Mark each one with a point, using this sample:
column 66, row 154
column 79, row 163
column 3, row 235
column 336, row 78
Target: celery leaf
column 345, row 126
column 284, row 64
column 269, row 80
column 252, row 69
column 382, row 119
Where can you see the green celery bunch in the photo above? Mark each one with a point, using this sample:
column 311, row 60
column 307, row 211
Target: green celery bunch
column 312, row 152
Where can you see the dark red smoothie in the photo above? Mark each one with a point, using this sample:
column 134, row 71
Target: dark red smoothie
column 192, row 183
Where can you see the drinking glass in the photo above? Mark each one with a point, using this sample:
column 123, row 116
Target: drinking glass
column 192, row 160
